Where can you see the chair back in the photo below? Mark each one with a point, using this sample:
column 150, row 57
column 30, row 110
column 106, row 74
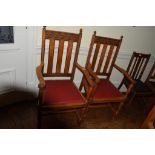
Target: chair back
column 60, row 50
column 137, row 65
column 102, row 54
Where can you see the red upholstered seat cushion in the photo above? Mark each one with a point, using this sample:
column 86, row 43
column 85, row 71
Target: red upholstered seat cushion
column 107, row 90
column 60, row 92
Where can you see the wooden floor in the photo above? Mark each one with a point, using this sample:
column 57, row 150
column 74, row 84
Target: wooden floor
column 18, row 110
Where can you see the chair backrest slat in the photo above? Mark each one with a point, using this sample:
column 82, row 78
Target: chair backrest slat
column 137, row 65
column 51, row 56
column 101, row 58
column 59, row 57
column 134, row 64
column 107, row 55
column 95, row 55
column 141, row 61
column 68, row 56
column 108, row 59
column 56, row 66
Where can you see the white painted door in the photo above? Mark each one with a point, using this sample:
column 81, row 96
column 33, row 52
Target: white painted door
column 13, row 59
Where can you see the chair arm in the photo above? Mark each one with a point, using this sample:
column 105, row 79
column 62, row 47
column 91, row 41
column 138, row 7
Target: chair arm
column 125, row 74
column 86, row 74
column 40, row 76
column 132, row 81
column 97, row 80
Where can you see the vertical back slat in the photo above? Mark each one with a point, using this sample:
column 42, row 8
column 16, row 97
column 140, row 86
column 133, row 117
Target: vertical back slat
column 130, row 63
column 101, row 58
column 59, row 57
column 136, row 67
column 139, row 67
column 134, row 64
column 50, row 56
column 95, row 55
column 68, row 56
column 142, row 71
column 108, row 59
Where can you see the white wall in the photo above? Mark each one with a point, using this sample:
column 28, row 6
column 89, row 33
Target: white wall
column 13, row 61
column 18, row 61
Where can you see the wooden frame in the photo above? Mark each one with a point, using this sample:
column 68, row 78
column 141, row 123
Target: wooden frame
column 149, row 121
column 98, row 70
column 52, row 36
column 151, row 79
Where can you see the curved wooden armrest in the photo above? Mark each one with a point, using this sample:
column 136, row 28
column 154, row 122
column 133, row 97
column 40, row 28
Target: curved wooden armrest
column 97, row 80
column 40, row 76
column 86, row 74
column 132, row 81
column 125, row 74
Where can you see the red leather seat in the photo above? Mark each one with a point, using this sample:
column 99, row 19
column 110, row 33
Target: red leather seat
column 61, row 92
column 106, row 90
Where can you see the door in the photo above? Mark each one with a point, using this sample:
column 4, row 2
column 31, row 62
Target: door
column 13, row 59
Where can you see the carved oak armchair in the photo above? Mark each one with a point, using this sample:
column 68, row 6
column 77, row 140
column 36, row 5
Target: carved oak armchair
column 135, row 69
column 57, row 95
column 100, row 63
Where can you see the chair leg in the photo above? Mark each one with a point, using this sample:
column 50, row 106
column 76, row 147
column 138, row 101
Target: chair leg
column 83, row 115
column 119, row 108
column 131, row 98
column 78, row 118
column 116, row 111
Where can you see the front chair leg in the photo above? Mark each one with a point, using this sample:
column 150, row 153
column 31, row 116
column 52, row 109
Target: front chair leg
column 131, row 98
column 78, row 117
column 119, row 108
column 82, row 116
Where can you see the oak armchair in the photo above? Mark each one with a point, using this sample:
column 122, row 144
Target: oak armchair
column 135, row 69
column 101, row 59
column 60, row 95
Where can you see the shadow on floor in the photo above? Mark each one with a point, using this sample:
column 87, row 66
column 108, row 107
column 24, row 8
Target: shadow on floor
column 18, row 110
